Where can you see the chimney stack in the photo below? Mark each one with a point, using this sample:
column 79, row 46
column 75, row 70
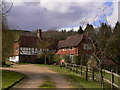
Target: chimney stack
column 39, row 33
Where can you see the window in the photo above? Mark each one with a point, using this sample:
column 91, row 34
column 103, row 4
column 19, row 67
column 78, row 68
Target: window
column 36, row 51
column 24, row 52
column 71, row 48
column 26, row 48
column 21, row 48
column 64, row 49
column 87, row 46
column 32, row 49
column 17, row 48
column 13, row 57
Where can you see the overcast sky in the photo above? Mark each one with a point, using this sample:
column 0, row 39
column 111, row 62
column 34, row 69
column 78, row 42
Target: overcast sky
column 44, row 14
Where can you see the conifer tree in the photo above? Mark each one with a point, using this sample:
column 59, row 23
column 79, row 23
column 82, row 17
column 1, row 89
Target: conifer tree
column 113, row 46
column 80, row 30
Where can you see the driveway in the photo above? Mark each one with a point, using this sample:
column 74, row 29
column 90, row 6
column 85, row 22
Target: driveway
column 36, row 75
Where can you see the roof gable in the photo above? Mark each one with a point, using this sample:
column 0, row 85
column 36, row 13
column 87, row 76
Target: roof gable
column 28, row 41
column 70, row 41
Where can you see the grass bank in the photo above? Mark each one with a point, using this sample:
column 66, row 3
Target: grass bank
column 9, row 78
column 76, row 81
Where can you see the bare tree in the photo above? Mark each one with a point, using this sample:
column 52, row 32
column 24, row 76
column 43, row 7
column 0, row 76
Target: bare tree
column 7, row 37
column 99, row 52
column 6, row 7
column 43, row 46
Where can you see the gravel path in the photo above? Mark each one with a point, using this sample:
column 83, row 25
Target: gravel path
column 36, row 76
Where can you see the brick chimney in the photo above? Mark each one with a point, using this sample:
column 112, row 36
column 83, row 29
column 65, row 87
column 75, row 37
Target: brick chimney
column 39, row 33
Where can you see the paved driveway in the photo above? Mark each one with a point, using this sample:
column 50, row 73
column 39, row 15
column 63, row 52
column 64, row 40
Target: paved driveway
column 36, row 75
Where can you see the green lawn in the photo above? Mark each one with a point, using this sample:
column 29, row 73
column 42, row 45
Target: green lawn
column 105, row 75
column 9, row 78
column 76, row 81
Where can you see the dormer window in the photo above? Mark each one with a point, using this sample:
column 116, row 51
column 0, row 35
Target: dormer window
column 71, row 48
column 64, row 49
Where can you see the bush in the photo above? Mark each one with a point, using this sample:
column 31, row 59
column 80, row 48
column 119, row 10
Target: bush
column 56, row 58
column 67, row 58
column 40, row 60
column 77, row 60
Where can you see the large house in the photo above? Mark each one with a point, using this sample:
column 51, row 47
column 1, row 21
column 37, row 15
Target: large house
column 25, row 49
column 76, row 45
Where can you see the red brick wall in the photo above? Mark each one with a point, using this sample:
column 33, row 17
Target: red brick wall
column 81, row 50
column 16, row 49
column 67, row 51
column 77, row 50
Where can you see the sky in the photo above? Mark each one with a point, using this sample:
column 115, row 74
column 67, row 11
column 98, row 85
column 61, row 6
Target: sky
column 61, row 14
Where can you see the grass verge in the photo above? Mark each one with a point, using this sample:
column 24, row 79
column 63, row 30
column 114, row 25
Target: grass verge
column 76, row 81
column 48, row 83
column 9, row 78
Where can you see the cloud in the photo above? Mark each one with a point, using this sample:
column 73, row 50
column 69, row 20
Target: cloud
column 112, row 19
column 48, row 14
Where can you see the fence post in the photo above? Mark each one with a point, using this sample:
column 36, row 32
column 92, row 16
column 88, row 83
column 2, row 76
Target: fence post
column 93, row 74
column 119, row 82
column 66, row 66
column 101, row 77
column 112, row 80
column 70, row 67
column 81, row 70
column 76, row 68
column 86, row 72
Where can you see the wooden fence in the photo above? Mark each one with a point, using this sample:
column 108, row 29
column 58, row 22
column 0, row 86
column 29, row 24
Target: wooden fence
column 95, row 74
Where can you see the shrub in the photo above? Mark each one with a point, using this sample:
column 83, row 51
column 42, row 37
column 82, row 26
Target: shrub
column 40, row 60
column 56, row 58
column 67, row 58
column 77, row 60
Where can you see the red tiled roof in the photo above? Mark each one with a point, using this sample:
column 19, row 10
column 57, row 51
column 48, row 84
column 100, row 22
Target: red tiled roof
column 70, row 41
column 28, row 41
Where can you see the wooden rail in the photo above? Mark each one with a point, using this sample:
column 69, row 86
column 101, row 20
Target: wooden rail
column 87, row 71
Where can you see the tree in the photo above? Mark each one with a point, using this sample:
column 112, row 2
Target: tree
column 90, row 31
column 43, row 45
column 6, row 7
column 7, row 36
column 113, row 46
column 56, row 58
column 7, row 44
column 103, row 35
column 59, row 34
column 80, row 30
column 116, row 30
column 77, row 60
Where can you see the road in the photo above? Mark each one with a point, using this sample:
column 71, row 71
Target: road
column 36, row 75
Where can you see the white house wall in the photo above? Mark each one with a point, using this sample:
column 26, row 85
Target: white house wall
column 29, row 51
column 14, row 59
